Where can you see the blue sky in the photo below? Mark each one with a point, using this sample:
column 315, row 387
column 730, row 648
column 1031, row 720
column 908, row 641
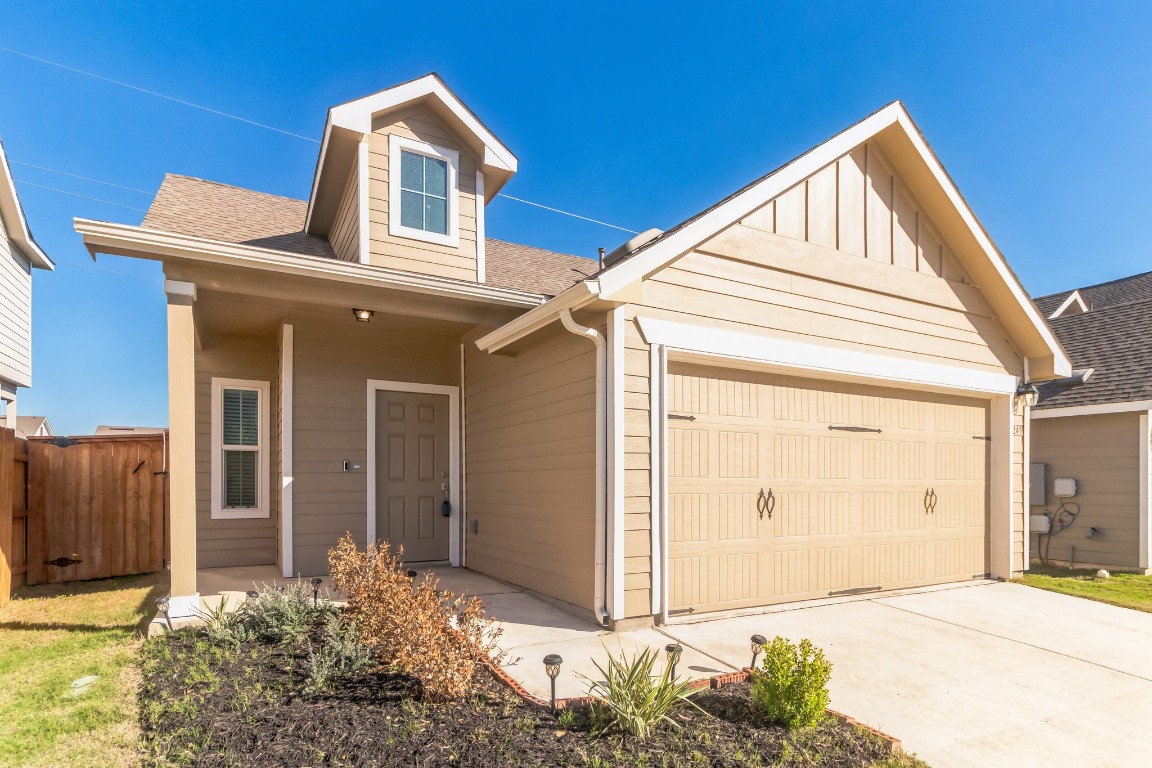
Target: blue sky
column 638, row 114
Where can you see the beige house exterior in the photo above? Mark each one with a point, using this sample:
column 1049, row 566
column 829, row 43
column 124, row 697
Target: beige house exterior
column 19, row 255
column 1094, row 429
column 809, row 389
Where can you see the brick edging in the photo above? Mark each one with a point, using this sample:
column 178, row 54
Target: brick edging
column 715, row 682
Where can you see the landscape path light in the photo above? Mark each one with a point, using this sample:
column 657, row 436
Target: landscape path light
column 552, row 664
column 758, row 642
column 674, row 651
column 316, row 582
column 162, row 604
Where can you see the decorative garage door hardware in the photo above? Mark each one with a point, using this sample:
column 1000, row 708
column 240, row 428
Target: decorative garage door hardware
column 853, row 591
column 854, row 429
column 982, row 437
column 930, row 501
column 681, row 417
column 766, row 503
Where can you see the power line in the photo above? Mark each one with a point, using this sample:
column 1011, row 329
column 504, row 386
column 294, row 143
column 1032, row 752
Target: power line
column 85, row 197
column 157, row 94
column 566, row 213
column 242, row 120
column 78, row 176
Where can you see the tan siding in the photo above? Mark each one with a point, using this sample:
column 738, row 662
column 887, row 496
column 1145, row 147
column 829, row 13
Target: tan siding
column 334, row 360
column 637, row 482
column 222, row 543
column 15, row 314
column 345, row 237
column 1102, row 453
column 414, row 255
column 531, row 462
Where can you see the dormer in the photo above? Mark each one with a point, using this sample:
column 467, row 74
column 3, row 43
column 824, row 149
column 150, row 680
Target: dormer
column 1073, row 305
column 403, row 178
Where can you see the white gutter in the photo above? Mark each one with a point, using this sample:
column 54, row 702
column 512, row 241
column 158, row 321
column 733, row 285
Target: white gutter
column 127, row 240
column 599, row 604
column 584, row 292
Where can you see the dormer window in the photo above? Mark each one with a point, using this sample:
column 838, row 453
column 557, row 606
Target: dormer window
column 423, row 191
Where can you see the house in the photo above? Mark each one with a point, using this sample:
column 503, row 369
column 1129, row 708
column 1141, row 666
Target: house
column 1093, row 428
column 19, row 255
column 809, row 389
column 106, row 430
column 33, row 426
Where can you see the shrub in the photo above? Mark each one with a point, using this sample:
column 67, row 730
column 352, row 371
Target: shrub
column 222, row 627
column 342, row 653
column 791, row 687
column 282, row 615
column 633, row 698
column 435, row 636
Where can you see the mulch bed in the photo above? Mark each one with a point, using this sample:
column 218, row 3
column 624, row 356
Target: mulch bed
column 203, row 706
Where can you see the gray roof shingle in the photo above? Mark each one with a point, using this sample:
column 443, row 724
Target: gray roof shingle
column 1114, row 337
column 189, row 206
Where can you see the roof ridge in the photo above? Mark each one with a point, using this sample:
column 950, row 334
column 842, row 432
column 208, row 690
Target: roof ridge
column 232, row 186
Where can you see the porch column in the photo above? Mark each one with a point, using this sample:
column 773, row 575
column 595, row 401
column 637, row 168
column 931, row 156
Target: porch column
column 182, row 446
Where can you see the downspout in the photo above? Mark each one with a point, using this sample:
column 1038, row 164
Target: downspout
column 599, row 605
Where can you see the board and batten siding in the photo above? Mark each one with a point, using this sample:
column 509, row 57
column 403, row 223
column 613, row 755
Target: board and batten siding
column 345, row 236
column 847, row 259
column 15, row 314
column 408, row 254
column 1102, row 454
column 334, row 359
column 246, row 541
column 531, row 465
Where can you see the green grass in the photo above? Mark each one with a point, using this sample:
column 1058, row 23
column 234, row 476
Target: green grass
column 54, row 634
column 1127, row 590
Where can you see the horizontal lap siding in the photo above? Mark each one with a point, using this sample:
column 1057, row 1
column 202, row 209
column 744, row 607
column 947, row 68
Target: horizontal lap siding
column 1102, row 453
column 531, row 465
column 345, row 235
column 221, row 543
column 637, row 475
column 333, row 362
column 15, row 314
column 415, row 255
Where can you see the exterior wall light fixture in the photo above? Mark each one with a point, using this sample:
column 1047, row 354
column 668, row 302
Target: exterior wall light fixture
column 363, row 315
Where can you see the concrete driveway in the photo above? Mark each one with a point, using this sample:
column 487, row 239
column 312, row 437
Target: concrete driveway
column 983, row 675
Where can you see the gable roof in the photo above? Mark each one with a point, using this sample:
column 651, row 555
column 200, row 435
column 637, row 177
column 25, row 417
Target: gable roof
column 30, row 425
column 209, row 209
column 1112, row 337
column 14, row 220
column 1111, row 293
column 929, row 182
column 349, row 122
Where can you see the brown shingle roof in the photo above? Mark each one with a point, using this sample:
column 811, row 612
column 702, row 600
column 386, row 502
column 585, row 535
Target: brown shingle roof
column 1101, row 295
column 209, row 209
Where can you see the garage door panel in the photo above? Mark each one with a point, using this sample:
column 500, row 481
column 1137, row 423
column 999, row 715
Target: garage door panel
column 850, row 502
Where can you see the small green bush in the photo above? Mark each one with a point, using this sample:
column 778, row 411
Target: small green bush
column 791, row 686
column 634, row 699
column 282, row 615
column 341, row 654
column 223, row 627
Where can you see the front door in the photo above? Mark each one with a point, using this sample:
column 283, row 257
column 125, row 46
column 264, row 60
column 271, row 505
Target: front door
column 412, row 473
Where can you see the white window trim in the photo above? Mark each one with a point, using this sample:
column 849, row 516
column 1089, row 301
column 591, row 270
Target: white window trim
column 396, row 144
column 219, row 511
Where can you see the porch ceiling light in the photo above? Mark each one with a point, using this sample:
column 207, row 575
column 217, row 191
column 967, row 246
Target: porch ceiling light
column 362, row 315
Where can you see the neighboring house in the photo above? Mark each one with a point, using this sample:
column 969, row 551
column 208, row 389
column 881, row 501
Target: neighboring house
column 809, row 389
column 33, row 426
column 105, row 429
column 19, row 254
column 1095, row 429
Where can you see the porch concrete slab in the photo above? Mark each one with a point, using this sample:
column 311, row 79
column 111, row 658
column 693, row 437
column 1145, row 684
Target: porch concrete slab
column 462, row 581
column 974, row 676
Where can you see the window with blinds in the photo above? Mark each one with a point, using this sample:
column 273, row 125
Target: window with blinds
column 240, row 447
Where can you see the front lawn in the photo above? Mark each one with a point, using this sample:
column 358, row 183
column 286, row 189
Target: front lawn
column 1127, row 590
column 206, row 705
column 54, row 635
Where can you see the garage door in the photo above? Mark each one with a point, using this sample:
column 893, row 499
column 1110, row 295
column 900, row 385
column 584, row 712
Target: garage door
column 784, row 488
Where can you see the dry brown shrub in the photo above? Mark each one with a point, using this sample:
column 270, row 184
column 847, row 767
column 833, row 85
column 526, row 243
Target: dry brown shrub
column 417, row 628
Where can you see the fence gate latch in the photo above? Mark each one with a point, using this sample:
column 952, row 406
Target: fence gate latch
column 62, row 562
column 62, row 442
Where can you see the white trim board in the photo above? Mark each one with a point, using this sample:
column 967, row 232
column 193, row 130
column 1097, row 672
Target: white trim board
column 1145, row 548
column 1092, row 410
column 287, row 376
column 363, row 209
column 1073, row 298
column 813, row 358
column 453, row 393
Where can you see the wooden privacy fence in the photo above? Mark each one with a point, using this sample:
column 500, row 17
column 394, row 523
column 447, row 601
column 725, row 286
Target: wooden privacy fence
column 82, row 507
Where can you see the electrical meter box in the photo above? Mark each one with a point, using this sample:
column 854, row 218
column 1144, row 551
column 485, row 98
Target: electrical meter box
column 1064, row 487
column 1038, row 484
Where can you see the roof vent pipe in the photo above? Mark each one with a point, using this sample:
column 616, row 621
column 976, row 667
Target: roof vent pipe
column 626, row 250
column 600, row 601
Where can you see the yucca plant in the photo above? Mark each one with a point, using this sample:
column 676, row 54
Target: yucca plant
column 636, row 699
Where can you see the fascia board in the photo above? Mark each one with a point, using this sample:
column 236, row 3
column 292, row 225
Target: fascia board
column 122, row 239
column 584, row 292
